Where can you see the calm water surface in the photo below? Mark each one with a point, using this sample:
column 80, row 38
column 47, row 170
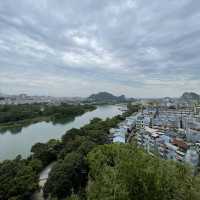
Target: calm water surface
column 12, row 145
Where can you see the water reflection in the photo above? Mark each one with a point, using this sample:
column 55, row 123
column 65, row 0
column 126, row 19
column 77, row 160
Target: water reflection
column 17, row 128
column 12, row 130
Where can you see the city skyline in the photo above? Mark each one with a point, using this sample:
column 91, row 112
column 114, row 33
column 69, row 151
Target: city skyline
column 75, row 48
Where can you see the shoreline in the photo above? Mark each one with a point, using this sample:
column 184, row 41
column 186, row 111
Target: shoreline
column 28, row 122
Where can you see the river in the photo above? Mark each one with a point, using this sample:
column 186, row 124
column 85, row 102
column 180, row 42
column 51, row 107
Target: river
column 12, row 145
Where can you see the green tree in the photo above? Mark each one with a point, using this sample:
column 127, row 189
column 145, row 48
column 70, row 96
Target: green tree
column 125, row 172
column 18, row 180
column 46, row 153
column 66, row 176
column 73, row 197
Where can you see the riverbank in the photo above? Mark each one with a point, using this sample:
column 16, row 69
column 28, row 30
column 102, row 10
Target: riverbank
column 17, row 115
column 26, row 170
column 61, row 117
column 24, row 122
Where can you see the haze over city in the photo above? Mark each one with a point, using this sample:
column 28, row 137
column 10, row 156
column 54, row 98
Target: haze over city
column 139, row 48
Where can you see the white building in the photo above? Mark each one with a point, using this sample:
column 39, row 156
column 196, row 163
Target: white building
column 192, row 157
column 140, row 122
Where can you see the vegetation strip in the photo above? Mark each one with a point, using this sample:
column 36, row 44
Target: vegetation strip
column 18, row 116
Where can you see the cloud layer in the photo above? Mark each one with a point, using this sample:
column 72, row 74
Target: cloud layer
column 74, row 48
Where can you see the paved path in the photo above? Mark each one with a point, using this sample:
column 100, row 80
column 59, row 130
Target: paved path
column 42, row 180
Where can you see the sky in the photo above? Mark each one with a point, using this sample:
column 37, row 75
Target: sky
column 140, row 48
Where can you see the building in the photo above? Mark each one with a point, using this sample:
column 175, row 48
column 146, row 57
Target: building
column 118, row 135
column 192, row 157
column 140, row 122
column 197, row 110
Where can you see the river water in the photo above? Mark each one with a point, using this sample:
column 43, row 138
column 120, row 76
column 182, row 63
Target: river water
column 12, row 145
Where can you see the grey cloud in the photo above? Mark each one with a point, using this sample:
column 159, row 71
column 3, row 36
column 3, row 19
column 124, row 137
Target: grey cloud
column 127, row 42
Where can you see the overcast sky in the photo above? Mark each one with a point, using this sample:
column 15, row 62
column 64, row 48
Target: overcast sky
column 140, row 48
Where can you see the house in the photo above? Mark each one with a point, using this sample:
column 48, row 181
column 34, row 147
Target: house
column 119, row 138
column 147, row 138
column 197, row 110
column 181, row 144
column 192, row 157
column 170, row 151
column 140, row 122
column 118, row 134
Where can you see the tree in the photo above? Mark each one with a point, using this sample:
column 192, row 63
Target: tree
column 73, row 197
column 18, row 180
column 125, row 172
column 46, row 153
column 66, row 176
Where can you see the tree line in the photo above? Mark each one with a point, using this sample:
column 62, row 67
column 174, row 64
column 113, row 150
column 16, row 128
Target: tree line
column 16, row 113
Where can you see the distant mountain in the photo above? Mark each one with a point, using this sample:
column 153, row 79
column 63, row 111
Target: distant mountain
column 190, row 96
column 106, row 97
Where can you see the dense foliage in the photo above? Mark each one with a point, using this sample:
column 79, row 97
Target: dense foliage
column 71, row 171
column 67, row 174
column 18, row 178
column 46, row 152
column 124, row 172
column 15, row 113
column 132, row 108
